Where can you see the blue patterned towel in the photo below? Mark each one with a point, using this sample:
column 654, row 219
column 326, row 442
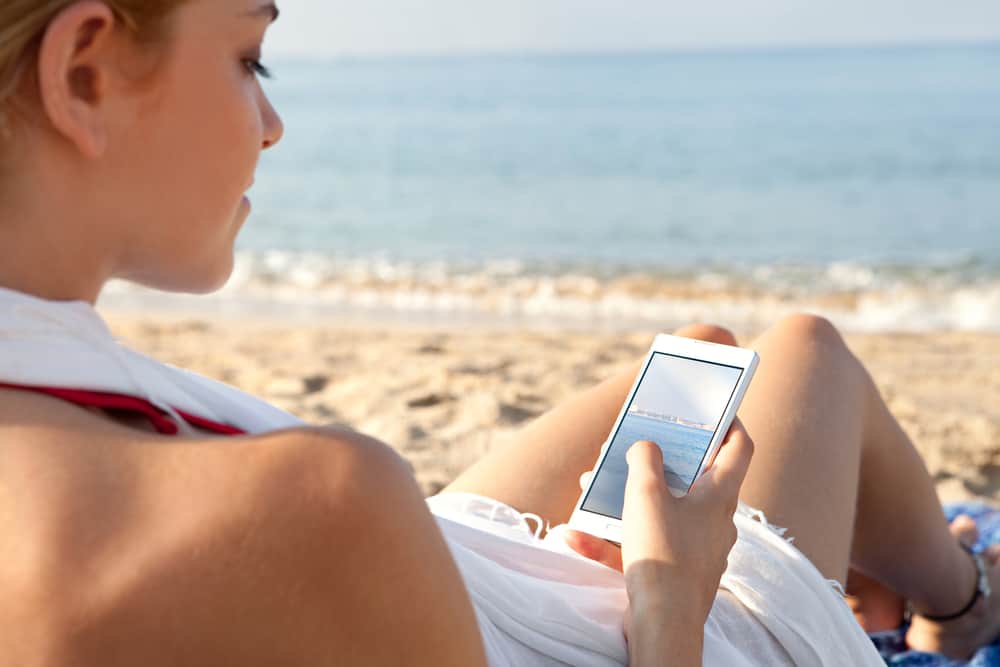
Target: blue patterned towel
column 892, row 645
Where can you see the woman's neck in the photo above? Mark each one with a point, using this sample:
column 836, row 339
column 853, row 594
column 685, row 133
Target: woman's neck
column 49, row 260
column 54, row 244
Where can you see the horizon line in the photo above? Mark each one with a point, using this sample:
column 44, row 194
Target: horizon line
column 735, row 49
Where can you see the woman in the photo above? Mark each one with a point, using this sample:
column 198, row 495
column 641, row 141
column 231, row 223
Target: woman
column 138, row 535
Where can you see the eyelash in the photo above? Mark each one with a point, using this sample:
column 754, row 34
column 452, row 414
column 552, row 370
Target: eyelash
column 256, row 67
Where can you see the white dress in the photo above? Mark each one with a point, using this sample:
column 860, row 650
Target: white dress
column 537, row 603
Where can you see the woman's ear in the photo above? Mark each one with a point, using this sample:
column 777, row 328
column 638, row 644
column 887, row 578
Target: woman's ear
column 74, row 67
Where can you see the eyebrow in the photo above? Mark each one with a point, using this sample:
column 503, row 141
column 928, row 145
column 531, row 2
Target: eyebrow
column 269, row 10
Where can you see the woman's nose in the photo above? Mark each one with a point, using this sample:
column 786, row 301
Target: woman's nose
column 274, row 128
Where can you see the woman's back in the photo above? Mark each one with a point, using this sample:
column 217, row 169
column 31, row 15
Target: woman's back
column 125, row 549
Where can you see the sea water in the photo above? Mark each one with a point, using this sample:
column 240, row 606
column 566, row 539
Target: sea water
column 636, row 189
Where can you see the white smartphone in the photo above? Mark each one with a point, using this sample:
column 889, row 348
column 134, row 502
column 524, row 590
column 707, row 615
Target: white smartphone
column 684, row 399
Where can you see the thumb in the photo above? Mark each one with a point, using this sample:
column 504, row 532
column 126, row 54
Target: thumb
column 645, row 469
column 647, row 499
column 646, row 487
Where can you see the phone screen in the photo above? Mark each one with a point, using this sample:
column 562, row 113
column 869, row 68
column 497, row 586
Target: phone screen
column 679, row 405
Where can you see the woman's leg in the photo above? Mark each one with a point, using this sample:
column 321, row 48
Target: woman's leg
column 875, row 607
column 833, row 465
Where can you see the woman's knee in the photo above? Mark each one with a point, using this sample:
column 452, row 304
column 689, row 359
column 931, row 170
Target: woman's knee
column 807, row 328
column 711, row 333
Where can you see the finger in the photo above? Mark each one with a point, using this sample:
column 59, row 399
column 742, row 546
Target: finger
column 594, row 548
column 731, row 464
column 645, row 487
column 736, row 426
column 645, row 468
column 585, row 479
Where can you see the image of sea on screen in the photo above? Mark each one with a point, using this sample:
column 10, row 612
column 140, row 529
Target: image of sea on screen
column 678, row 405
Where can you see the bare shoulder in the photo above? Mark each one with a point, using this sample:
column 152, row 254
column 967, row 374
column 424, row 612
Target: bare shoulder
column 104, row 519
column 262, row 548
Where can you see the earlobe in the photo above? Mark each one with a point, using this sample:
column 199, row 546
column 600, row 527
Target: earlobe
column 72, row 74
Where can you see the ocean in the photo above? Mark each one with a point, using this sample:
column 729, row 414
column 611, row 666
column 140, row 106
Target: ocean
column 634, row 190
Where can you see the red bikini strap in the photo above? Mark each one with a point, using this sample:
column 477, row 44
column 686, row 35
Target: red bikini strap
column 157, row 417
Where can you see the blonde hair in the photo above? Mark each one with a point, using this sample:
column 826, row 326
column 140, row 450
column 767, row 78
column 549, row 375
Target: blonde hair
column 23, row 24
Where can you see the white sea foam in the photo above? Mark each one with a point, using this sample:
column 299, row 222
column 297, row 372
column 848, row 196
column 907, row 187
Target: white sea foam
column 857, row 297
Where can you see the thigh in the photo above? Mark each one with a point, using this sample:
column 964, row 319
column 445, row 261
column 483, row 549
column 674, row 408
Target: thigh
column 539, row 470
column 805, row 413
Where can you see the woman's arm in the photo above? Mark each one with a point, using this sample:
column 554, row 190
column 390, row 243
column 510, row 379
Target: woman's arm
column 674, row 550
column 664, row 634
column 295, row 548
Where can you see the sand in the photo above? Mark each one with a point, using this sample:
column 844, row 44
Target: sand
column 443, row 398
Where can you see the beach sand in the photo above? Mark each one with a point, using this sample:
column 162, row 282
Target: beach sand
column 443, row 398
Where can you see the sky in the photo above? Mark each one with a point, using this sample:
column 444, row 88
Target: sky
column 324, row 28
column 692, row 390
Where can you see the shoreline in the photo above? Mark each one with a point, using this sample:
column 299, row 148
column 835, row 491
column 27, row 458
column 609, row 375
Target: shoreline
column 514, row 294
column 885, row 313
column 442, row 396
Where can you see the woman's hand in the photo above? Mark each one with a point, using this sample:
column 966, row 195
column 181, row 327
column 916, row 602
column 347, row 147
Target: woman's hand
column 674, row 550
